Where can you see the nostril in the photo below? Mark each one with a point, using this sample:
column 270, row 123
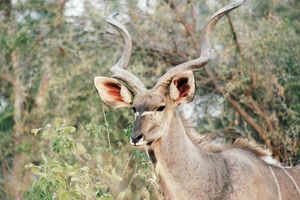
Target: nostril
column 139, row 137
column 136, row 139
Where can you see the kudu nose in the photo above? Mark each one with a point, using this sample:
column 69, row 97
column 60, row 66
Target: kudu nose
column 136, row 139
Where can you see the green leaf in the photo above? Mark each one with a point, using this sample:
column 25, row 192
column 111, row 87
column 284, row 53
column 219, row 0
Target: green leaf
column 35, row 131
column 69, row 129
column 58, row 122
column 80, row 149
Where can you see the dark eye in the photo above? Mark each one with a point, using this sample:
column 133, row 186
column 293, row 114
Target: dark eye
column 133, row 109
column 161, row 108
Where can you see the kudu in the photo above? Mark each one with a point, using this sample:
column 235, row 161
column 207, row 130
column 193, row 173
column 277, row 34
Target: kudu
column 187, row 169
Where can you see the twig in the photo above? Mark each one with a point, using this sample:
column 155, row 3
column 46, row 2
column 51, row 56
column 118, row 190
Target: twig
column 132, row 177
column 7, row 77
column 106, row 125
column 253, row 105
column 189, row 28
column 261, row 132
column 235, row 39
column 126, row 165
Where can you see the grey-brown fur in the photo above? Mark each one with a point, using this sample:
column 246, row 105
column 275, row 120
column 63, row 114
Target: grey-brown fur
column 231, row 174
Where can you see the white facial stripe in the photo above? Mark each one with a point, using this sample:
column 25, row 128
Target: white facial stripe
column 143, row 114
column 147, row 113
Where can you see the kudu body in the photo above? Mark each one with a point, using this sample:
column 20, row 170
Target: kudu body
column 186, row 169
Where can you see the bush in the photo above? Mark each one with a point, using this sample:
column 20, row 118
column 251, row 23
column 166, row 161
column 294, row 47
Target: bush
column 77, row 164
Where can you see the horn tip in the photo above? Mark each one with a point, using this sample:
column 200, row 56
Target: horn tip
column 112, row 16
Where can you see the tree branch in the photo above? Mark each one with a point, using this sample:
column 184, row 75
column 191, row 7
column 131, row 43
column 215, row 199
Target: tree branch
column 261, row 132
column 7, row 77
column 235, row 39
column 188, row 27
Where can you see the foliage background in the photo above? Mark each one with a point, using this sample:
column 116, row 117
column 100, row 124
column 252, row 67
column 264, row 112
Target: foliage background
column 58, row 141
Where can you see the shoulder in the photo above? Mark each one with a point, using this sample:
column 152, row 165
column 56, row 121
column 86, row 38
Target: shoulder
column 241, row 159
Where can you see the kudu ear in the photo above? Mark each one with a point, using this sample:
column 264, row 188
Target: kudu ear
column 182, row 88
column 112, row 92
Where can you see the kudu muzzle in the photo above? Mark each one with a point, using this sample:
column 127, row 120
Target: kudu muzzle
column 136, row 134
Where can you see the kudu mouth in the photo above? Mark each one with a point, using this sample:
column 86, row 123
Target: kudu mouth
column 138, row 141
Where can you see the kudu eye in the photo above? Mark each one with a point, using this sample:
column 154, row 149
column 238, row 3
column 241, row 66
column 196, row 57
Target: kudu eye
column 133, row 109
column 161, row 108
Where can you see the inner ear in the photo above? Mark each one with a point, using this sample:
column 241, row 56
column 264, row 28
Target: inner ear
column 114, row 89
column 113, row 92
column 182, row 86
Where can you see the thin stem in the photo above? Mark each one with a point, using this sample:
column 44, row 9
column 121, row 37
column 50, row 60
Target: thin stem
column 126, row 165
column 132, row 177
column 106, row 125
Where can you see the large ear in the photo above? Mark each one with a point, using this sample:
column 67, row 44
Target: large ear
column 182, row 88
column 113, row 92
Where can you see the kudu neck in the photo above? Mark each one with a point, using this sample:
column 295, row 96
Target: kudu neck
column 175, row 140
column 179, row 161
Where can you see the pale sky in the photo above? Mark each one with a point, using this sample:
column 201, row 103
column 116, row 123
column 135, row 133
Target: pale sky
column 75, row 8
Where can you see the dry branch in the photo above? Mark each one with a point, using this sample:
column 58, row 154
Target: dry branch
column 214, row 80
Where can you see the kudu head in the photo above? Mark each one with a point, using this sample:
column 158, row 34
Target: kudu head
column 154, row 108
